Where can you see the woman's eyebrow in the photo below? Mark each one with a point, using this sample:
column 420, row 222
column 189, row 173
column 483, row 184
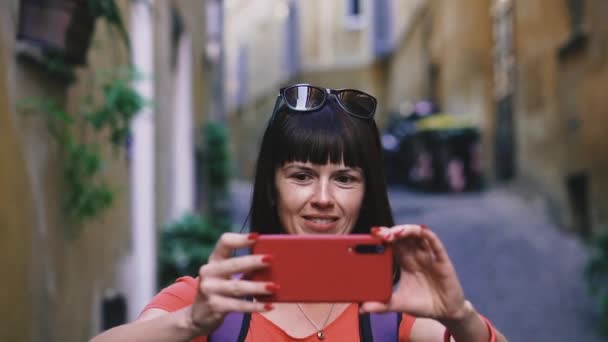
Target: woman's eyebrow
column 350, row 169
column 297, row 167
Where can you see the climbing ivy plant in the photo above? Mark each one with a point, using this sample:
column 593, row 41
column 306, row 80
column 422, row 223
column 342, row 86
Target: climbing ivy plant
column 85, row 195
column 104, row 116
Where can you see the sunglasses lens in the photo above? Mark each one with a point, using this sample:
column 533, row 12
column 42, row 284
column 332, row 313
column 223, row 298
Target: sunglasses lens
column 304, row 97
column 358, row 103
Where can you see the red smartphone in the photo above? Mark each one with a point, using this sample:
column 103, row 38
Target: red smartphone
column 326, row 268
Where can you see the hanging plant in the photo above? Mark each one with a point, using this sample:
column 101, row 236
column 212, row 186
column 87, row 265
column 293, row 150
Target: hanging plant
column 216, row 164
column 121, row 103
column 80, row 136
column 85, row 194
column 186, row 243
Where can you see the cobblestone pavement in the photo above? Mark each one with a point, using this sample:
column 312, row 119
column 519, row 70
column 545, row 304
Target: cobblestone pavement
column 515, row 266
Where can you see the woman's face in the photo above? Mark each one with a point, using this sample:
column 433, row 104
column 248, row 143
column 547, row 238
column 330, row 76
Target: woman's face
column 318, row 199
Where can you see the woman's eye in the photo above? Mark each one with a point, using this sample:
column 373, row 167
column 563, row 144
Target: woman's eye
column 346, row 179
column 301, row 176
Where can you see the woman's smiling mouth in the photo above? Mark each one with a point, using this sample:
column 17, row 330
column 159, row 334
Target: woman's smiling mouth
column 320, row 223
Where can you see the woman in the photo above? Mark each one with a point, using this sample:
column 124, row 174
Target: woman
column 319, row 171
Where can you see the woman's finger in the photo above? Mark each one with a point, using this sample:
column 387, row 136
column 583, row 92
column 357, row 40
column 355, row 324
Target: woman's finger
column 224, row 305
column 228, row 242
column 237, row 288
column 402, row 231
column 373, row 307
column 396, row 232
column 407, row 230
column 229, row 267
column 436, row 245
column 381, row 232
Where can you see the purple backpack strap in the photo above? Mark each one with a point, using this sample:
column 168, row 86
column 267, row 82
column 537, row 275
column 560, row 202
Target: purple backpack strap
column 233, row 329
column 375, row 327
column 379, row 327
column 385, row 326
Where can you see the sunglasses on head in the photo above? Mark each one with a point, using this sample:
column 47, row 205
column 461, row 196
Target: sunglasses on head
column 307, row 98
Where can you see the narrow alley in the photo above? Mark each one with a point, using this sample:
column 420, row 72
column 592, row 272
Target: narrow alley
column 130, row 133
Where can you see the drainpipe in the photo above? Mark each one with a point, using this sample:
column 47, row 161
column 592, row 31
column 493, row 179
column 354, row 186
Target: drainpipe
column 182, row 155
column 215, row 51
column 138, row 278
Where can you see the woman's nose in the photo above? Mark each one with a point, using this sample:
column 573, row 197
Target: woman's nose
column 323, row 196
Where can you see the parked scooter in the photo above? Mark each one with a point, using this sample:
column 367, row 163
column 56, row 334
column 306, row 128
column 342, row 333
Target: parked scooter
column 433, row 151
column 398, row 141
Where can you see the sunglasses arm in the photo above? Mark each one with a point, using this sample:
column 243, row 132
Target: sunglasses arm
column 274, row 110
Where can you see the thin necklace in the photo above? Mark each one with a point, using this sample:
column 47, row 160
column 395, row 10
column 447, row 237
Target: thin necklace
column 320, row 331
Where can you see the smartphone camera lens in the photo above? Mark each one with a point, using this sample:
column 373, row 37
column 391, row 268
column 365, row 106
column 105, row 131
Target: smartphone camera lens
column 369, row 249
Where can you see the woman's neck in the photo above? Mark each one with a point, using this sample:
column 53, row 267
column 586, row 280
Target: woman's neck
column 290, row 318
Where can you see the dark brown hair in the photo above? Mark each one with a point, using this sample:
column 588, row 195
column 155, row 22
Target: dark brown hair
column 328, row 134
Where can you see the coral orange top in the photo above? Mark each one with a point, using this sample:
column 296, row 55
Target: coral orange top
column 344, row 328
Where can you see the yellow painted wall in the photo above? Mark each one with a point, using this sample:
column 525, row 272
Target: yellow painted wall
column 54, row 285
column 407, row 67
column 561, row 106
column 16, row 222
column 64, row 278
column 71, row 275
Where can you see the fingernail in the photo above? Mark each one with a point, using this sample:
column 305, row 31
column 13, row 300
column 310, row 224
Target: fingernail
column 375, row 230
column 423, row 226
column 253, row 236
column 387, row 237
column 268, row 307
column 273, row 287
column 267, row 259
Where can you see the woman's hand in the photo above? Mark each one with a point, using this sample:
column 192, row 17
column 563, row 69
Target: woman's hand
column 429, row 286
column 219, row 292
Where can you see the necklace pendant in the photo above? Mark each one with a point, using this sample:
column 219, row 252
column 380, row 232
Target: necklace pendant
column 321, row 335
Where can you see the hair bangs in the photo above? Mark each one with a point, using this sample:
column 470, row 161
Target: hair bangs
column 319, row 137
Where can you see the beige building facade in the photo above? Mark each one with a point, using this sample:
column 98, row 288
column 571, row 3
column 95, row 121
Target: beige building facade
column 54, row 285
column 560, row 107
column 272, row 43
column 530, row 75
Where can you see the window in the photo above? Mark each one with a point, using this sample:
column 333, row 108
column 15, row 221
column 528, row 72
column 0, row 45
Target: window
column 242, row 75
column 292, row 44
column 354, row 14
column 354, row 8
column 382, row 27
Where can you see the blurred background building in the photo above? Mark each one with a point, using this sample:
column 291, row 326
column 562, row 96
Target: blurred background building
column 529, row 74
